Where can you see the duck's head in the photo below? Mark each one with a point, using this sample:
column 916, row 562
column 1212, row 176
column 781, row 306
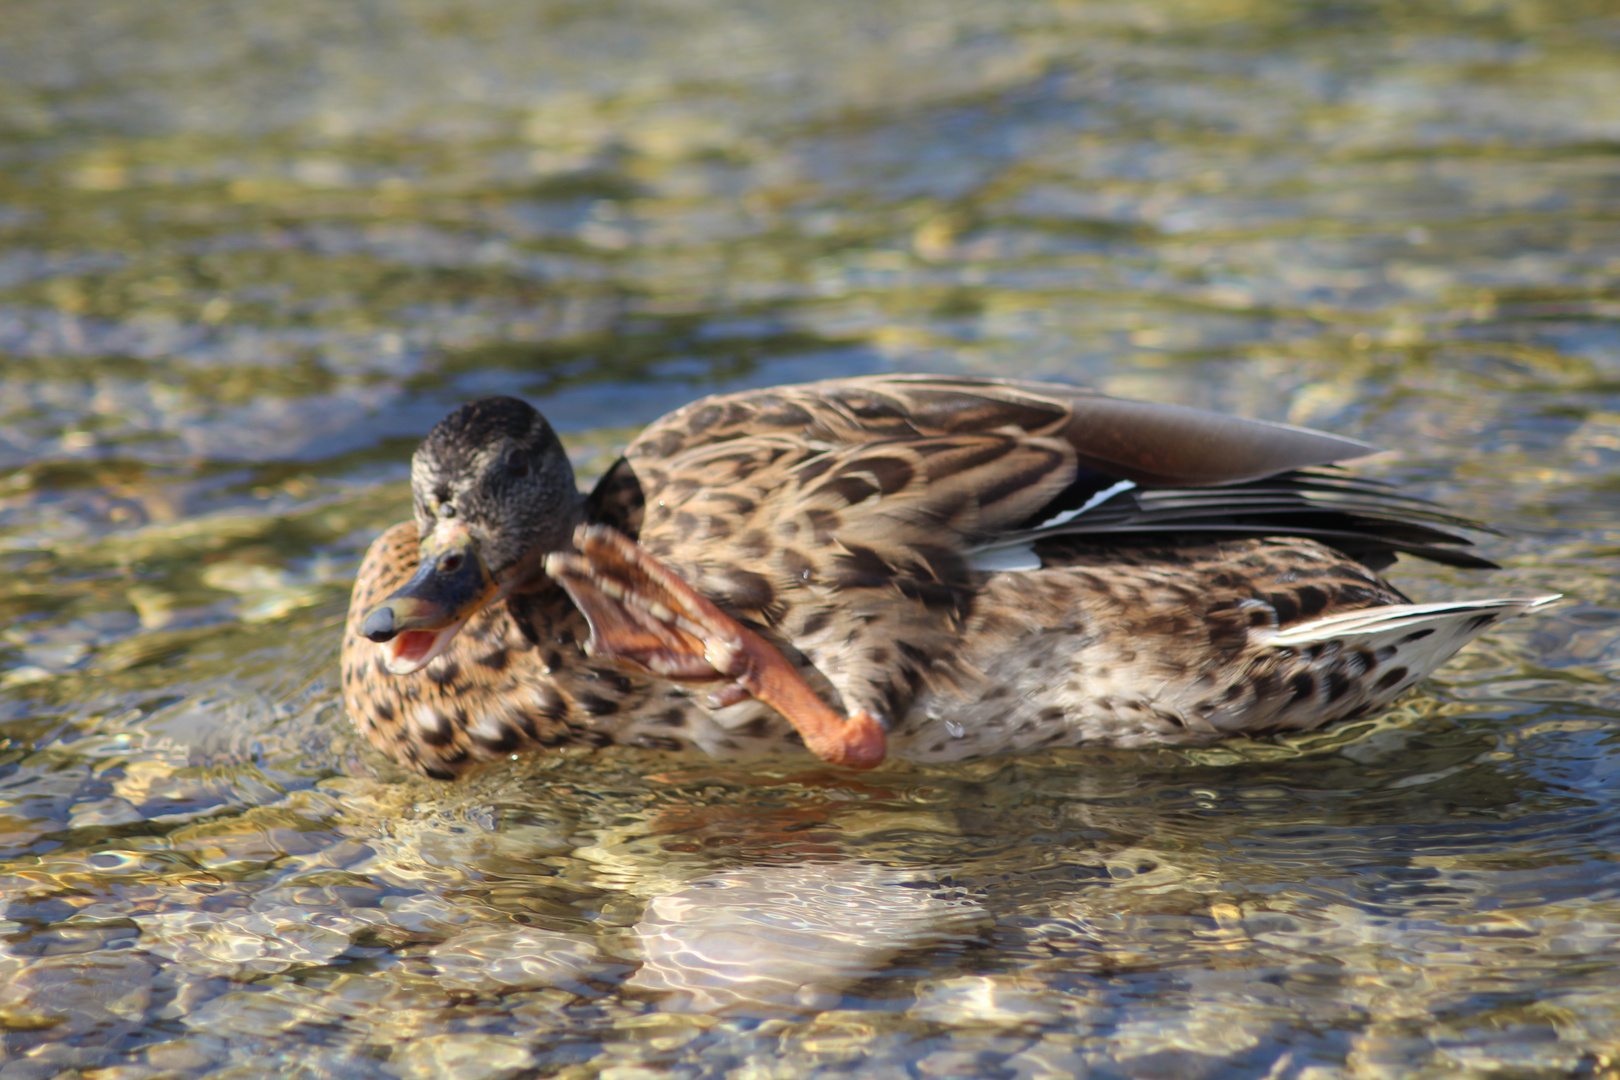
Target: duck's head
column 494, row 493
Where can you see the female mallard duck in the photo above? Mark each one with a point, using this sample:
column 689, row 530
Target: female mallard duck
column 932, row 567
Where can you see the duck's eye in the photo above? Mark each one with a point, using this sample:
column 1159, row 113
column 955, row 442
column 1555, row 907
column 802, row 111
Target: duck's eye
column 517, row 465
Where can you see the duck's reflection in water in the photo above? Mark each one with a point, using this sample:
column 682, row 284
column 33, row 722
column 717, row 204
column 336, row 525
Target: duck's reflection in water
column 788, row 939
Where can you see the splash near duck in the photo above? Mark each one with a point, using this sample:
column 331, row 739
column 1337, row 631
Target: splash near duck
column 931, row 568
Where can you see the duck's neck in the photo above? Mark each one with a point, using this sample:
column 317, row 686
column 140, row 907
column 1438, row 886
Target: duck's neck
column 547, row 617
column 539, row 606
column 529, row 574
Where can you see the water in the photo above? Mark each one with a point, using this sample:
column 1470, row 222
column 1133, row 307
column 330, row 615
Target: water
column 250, row 252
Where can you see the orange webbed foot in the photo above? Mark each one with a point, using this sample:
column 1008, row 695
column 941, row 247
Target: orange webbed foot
column 644, row 614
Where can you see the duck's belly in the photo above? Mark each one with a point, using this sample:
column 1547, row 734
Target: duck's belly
column 1148, row 648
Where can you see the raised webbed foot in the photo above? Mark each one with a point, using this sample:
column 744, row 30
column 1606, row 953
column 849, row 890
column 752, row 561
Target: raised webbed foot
column 644, row 614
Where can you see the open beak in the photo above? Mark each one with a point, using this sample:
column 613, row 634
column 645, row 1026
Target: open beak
column 418, row 620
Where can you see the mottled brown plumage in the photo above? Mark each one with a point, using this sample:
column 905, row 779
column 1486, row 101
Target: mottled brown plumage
column 970, row 566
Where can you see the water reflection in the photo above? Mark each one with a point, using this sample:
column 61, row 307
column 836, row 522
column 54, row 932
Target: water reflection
column 774, row 939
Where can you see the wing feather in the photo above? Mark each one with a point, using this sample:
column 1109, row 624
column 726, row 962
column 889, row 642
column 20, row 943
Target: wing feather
column 1166, row 445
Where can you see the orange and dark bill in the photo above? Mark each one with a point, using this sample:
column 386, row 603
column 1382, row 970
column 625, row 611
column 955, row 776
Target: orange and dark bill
column 418, row 620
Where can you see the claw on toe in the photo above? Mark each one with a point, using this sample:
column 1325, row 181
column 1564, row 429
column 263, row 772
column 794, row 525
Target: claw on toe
column 643, row 613
column 729, row 694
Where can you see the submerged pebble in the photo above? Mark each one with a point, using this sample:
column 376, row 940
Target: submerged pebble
column 492, row 960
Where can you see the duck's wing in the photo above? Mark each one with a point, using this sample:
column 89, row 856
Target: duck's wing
column 989, row 468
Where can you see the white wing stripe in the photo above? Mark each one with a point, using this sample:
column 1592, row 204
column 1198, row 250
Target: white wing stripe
column 1096, row 500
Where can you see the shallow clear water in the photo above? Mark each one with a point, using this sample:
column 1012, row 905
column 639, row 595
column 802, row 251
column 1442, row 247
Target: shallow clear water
column 250, row 251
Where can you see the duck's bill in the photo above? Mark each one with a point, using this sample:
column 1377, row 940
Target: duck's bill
column 419, row 620
column 413, row 649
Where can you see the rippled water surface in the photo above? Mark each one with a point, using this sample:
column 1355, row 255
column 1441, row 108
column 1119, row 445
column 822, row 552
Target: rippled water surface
column 250, row 251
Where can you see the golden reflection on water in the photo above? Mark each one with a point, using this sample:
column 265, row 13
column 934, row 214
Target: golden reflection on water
column 247, row 256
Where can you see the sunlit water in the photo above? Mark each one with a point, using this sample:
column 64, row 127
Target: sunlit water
column 250, row 251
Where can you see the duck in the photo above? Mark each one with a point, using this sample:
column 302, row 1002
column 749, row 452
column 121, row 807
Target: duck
column 922, row 567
